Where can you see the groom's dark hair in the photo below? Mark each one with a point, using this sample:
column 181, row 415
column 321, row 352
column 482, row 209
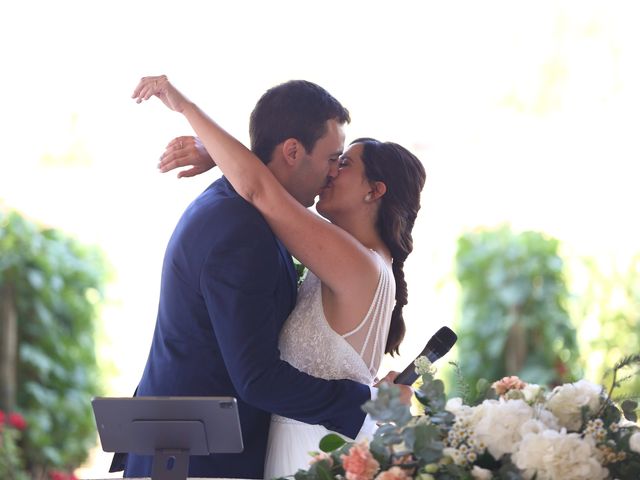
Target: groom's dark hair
column 295, row 109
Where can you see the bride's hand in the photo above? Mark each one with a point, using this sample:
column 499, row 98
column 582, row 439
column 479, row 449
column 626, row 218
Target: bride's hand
column 161, row 88
column 183, row 152
column 406, row 392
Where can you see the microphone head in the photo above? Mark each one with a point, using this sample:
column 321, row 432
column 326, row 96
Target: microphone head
column 441, row 342
column 436, row 347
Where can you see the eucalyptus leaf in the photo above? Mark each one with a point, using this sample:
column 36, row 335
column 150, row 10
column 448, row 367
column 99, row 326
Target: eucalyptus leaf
column 427, row 446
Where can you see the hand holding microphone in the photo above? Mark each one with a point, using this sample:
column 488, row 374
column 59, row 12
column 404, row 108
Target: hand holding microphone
column 436, row 347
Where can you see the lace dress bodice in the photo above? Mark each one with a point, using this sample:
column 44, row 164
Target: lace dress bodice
column 308, row 342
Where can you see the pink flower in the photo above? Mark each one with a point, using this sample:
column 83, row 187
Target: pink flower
column 359, row 464
column 394, row 473
column 508, row 383
column 17, row 421
column 322, row 456
column 1, row 417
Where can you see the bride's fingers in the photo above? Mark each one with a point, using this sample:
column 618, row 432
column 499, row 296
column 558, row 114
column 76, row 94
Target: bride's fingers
column 389, row 377
column 142, row 93
column 136, row 91
column 149, row 86
column 142, row 85
column 150, row 92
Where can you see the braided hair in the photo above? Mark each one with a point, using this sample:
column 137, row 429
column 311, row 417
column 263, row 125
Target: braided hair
column 404, row 176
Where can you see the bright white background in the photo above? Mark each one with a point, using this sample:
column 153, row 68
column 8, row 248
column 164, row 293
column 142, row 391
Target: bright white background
column 522, row 112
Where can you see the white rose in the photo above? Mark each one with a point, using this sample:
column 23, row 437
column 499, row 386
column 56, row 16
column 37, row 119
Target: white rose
column 634, row 442
column 531, row 392
column 479, row 473
column 566, row 401
column 497, row 423
column 551, row 455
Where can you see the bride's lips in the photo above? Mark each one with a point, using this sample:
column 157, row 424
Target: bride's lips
column 324, row 189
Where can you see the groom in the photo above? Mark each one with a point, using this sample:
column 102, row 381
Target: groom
column 228, row 285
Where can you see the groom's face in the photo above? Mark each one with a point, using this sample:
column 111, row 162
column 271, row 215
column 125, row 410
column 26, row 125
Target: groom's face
column 317, row 167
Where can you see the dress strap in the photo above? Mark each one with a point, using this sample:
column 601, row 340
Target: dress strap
column 369, row 337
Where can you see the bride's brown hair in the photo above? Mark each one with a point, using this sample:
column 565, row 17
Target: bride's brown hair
column 404, row 177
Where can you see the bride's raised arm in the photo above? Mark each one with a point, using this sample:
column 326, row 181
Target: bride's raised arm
column 334, row 255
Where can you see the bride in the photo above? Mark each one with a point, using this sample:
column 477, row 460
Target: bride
column 349, row 309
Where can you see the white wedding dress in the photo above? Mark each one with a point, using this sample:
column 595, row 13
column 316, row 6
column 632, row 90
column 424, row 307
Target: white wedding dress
column 308, row 343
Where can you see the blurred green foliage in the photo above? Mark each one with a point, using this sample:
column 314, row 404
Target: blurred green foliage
column 58, row 284
column 606, row 307
column 513, row 311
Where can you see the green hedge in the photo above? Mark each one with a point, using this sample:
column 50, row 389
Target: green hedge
column 513, row 312
column 57, row 287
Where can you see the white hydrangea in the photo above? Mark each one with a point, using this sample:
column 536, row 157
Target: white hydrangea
column 566, row 401
column 545, row 421
column 634, row 442
column 458, row 408
column 552, row 455
column 497, row 424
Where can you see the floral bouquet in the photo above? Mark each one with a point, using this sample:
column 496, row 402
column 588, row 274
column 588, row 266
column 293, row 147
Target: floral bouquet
column 514, row 430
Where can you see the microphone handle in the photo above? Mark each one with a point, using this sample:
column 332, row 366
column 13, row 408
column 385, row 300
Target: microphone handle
column 409, row 375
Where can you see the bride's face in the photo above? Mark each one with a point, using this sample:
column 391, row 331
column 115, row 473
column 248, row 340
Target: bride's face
column 347, row 191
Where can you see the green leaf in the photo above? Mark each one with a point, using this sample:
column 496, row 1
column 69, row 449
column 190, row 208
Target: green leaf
column 324, row 473
column 427, row 446
column 331, row 442
column 388, row 407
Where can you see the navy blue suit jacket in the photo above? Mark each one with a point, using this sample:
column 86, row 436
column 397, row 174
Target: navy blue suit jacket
column 228, row 285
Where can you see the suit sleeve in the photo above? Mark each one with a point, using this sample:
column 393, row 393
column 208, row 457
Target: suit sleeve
column 238, row 282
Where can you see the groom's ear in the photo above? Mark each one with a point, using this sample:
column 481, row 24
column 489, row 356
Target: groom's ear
column 292, row 151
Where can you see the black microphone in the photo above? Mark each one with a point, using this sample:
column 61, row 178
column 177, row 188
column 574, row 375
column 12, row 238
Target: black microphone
column 436, row 347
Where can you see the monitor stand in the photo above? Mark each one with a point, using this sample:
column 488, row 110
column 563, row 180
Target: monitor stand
column 171, row 437
column 169, row 464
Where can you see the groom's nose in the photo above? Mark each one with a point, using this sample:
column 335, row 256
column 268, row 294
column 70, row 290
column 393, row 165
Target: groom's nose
column 333, row 170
